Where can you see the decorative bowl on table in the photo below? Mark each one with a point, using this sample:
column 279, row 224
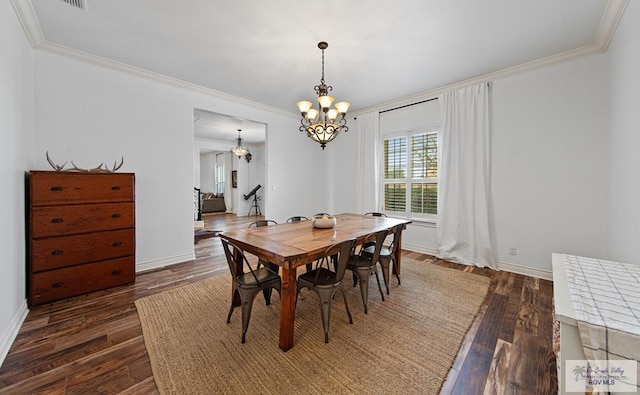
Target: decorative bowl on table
column 324, row 221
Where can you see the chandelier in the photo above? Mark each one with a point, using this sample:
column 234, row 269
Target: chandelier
column 239, row 150
column 324, row 124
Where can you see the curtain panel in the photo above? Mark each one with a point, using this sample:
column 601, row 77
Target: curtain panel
column 463, row 230
column 367, row 188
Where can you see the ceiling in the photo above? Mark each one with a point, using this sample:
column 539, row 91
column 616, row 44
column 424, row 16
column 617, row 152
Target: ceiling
column 211, row 125
column 379, row 53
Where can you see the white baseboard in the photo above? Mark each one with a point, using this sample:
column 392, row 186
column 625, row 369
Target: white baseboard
column 506, row 266
column 150, row 265
column 525, row 270
column 12, row 331
column 420, row 249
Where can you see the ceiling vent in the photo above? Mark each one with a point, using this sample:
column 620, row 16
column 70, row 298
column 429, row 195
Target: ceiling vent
column 81, row 4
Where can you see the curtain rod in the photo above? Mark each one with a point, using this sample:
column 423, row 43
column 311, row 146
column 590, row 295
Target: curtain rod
column 409, row 105
column 406, row 105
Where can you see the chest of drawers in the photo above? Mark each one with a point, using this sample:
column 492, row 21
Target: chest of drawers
column 81, row 233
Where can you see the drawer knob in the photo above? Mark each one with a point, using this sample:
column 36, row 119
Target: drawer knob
column 117, row 244
column 57, row 252
column 116, row 272
column 116, row 216
column 57, row 220
column 56, row 189
column 115, row 188
column 57, row 284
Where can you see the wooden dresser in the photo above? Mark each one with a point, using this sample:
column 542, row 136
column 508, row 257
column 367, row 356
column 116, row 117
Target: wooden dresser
column 81, row 233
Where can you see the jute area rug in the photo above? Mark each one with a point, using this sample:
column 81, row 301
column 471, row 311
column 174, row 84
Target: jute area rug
column 405, row 345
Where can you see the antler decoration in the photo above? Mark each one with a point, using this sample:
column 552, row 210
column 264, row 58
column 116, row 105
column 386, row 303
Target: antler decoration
column 97, row 169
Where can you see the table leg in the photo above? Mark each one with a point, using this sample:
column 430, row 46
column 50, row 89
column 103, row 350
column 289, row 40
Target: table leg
column 398, row 242
column 287, row 308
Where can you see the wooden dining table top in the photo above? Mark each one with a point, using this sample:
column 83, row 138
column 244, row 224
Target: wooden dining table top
column 296, row 243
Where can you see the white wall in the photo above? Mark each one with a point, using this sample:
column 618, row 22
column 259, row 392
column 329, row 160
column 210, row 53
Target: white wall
column 623, row 214
column 90, row 113
column 548, row 165
column 16, row 136
column 548, row 162
column 207, row 171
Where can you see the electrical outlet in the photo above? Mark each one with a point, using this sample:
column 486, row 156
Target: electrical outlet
column 513, row 251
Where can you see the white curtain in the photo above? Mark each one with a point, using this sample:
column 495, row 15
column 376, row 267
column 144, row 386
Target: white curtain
column 463, row 229
column 367, row 179
column 228, row 166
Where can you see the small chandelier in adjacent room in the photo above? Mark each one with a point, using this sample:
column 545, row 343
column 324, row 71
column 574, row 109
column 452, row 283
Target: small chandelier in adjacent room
column 239, row 150
column 324, row 124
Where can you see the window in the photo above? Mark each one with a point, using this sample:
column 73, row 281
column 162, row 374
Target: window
column 219, row 178
column 410, row 175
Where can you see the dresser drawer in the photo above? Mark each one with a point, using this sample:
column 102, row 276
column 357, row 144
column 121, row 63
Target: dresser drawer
column 50, row 188
column 62, row 283
column 56, row 252
column 83, row 218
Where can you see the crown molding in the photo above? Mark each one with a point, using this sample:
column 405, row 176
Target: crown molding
column 608, row 23
column 29, row 21
column 611, row 17
column 143, row 73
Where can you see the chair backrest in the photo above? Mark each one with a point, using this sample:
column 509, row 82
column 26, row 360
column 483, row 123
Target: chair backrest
column 327, row 214
column 376, row 214
column 396, row 232
column 378, row 239
column 265, row 222
column 237, row 260
column 340, row 252
column 297, row 219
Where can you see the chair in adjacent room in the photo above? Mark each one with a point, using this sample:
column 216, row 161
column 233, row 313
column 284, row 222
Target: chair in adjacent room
column 387, row 258
column 297, row 218
column 326, row 279
column 363, row 265
column 248, row 285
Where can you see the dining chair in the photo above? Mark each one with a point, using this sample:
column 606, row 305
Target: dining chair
column 387, row 258
column 321, row 214
column 272, row 266
column 375, row 214
column 363, row 265
column 249, row 284
column 264, row 222
column 325, row 282
column 297, row 219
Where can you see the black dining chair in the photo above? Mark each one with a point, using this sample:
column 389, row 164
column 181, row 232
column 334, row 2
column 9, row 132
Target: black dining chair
column 297, row 218
column 249, row 284
column 264, row 222
column 321, row 214
column 387, row 258
column 272, row 266
column 326, row 279
column 363, row 265
column 376, row 214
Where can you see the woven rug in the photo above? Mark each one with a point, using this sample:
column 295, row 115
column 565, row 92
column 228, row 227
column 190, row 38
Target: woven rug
column 406, row 344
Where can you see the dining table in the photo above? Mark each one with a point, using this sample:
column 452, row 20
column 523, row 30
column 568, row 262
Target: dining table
column 295, row 244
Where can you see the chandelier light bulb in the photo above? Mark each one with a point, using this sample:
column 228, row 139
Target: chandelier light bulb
column 304, row 106
column 342, row 107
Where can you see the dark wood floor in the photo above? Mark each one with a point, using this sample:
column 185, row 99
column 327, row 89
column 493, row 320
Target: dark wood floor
column 92, row 344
